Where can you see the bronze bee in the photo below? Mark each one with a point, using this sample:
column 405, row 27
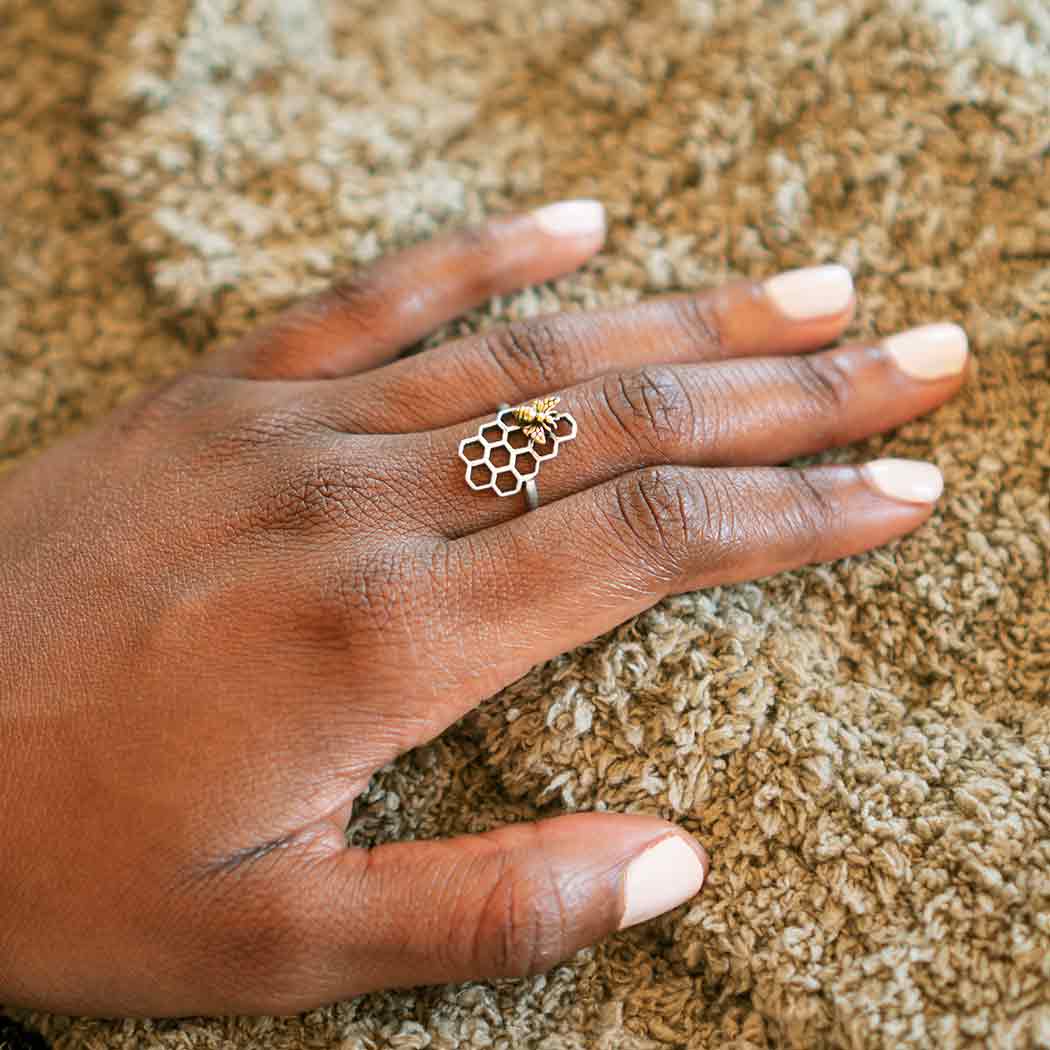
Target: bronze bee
column 538, row 419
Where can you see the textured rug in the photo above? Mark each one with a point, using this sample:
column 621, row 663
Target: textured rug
column 863, row 747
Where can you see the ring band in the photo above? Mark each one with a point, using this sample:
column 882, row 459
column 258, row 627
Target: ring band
column 506, row 452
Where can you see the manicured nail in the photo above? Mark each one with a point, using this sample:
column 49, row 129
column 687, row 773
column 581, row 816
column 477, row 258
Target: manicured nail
column 909, row 480
column 660, row 879
column 579, row 218
column 931, row 352
column 817, row 291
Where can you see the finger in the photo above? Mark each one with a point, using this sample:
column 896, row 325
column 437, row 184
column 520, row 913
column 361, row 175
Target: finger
column 791, row 312
column 509, row 902
column 366, row 319
column 558, row 576
column 747, row 412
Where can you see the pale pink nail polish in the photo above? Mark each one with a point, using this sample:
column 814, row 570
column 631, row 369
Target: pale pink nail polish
column 660, row 878
column 934, row 351
column 577, row 218
column 908, row 480
column 816, row 291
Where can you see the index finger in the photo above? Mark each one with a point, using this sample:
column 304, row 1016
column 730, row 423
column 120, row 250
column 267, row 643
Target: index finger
column 364, row 320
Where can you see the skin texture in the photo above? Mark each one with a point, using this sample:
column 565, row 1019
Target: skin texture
column 231, row 602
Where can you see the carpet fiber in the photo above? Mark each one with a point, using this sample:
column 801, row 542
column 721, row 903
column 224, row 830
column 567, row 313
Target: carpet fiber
column 864, row 747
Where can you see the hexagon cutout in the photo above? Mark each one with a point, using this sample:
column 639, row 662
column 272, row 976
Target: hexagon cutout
column 526, row 464
column 506, row 483
column 500, row 456
column 469, row 446
column 566, row 429
column 545, row 452
column 479, row 476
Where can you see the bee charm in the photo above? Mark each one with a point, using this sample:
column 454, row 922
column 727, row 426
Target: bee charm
column 537, row 418
column 505, row 454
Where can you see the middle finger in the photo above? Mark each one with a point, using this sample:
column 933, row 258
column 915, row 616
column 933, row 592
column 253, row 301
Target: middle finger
column 791, row 312
column 750, row 412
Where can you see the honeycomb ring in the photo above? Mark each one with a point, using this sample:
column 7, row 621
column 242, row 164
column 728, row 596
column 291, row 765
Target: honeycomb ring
column 505, row 454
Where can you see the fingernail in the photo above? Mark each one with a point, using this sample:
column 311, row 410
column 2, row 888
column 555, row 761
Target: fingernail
column 816, row 291
column 579, row 218
column 931, row 352
column 909, row 480
column 659, row 879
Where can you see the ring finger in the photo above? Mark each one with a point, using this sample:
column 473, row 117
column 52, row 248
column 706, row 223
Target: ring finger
column 746, row 412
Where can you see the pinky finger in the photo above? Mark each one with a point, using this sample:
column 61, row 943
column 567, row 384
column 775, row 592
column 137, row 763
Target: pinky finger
column 578, row 567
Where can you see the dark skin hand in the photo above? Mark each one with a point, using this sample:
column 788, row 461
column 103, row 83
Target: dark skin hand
column 238, row 596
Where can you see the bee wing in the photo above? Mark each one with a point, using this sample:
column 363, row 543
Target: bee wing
column 546, row 404
column 536, row 434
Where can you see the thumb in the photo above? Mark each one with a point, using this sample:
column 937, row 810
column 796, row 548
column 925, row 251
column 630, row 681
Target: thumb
column 508, row 902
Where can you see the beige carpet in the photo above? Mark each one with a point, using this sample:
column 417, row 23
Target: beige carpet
column 863, row 747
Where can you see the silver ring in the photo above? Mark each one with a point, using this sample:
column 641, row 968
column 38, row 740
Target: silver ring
column 506, row 452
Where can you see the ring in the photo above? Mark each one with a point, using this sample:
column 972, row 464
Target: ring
column 506, row 452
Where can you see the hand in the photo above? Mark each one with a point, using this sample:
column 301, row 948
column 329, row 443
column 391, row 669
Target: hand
column 229, row 604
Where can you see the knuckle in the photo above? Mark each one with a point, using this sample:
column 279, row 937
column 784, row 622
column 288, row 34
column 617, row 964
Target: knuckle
column 348, row 486
column 823, row 381
column 247, row 429
column 700, row 318
column 369, row 597
column 651, row 406
column 363, row 300
column 315, row 497
column 526, row 350
column 485, row 255
column 659, row 507
column 264, row 955
column 521, row 928
column 813, row 514
column 186, row 393
column 212, row 421
column 270, row 946
column 319, row 496
column 382, row 594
